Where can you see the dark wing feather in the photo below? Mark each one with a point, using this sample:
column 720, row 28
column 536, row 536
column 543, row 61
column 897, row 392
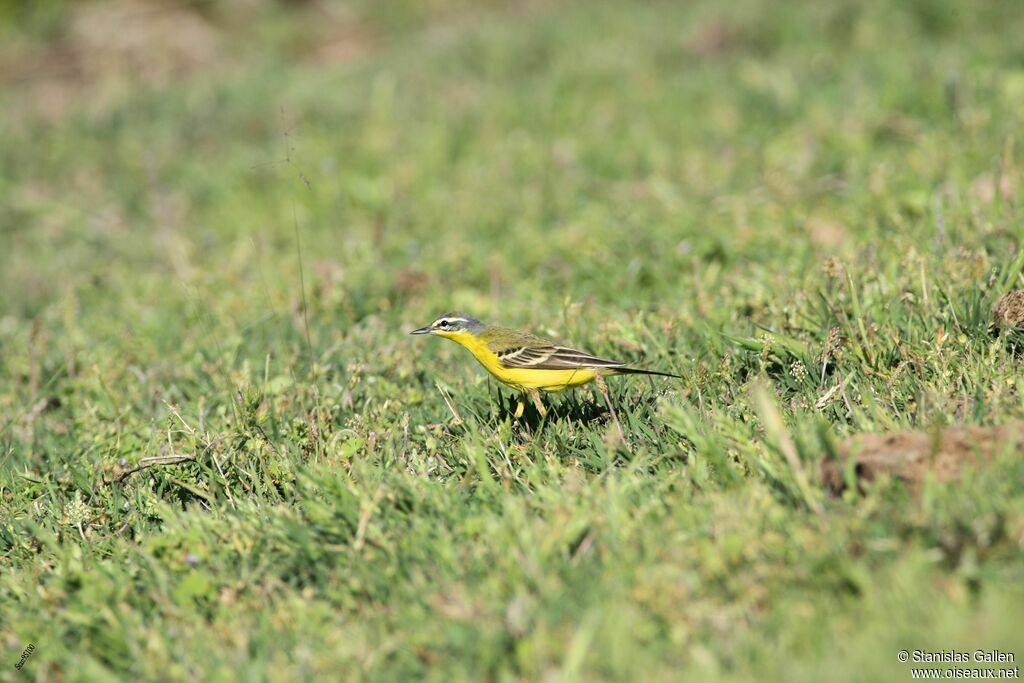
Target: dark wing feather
column 552, row 357
column 516, row 349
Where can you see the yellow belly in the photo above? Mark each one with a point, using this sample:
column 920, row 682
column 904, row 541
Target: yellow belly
column 524, row 379
column 545, row 380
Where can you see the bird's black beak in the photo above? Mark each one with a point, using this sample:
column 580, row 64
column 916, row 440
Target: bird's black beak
column 423, row 330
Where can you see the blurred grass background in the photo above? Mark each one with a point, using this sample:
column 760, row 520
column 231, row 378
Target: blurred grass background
column 219, row 220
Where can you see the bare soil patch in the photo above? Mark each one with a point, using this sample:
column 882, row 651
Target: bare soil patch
column 1009, row 310
column 913, row 456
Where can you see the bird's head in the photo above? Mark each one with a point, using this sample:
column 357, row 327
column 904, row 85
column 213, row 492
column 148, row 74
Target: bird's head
column 453, row 326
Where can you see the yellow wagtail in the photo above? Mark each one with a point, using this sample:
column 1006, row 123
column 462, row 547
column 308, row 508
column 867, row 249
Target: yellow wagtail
column 528, row 363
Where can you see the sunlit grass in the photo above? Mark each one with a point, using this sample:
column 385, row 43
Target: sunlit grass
column 806, row 211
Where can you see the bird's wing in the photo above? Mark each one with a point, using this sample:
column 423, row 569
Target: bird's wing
column 522, row 350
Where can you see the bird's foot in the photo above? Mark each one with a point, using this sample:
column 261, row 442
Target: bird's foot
column 535, row 397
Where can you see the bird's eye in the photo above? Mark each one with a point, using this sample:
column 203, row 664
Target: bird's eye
column 443, row 323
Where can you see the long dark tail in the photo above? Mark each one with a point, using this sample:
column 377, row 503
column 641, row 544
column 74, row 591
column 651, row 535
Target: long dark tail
column 638, row 371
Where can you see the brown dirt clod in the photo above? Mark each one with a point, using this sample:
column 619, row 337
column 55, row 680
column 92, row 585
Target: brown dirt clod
column 912, row 456
column 1009, row 310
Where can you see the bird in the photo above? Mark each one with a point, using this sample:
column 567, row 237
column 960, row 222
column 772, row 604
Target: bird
column 530, row 364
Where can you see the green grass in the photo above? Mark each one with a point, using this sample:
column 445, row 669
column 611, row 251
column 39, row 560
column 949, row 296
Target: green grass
column 721, row 188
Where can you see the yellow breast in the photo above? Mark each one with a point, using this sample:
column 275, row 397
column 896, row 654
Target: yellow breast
column 523, row 379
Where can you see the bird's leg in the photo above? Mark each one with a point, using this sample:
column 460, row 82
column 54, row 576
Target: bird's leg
column 603, row 388
column 535, row 397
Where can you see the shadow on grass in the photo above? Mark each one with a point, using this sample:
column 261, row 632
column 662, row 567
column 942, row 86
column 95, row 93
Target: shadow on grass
column 583, row 406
